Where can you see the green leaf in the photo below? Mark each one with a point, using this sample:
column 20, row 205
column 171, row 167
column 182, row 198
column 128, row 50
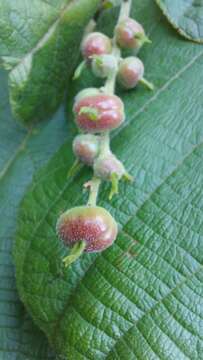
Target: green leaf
column 185, row 16
column 142, row 298
column 39, row 44
column 22, row 153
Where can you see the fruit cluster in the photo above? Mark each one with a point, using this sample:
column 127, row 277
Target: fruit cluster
column 98, row 111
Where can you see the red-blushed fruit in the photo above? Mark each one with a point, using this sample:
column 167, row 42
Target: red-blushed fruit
column 86, row 148
column 130, row 72
column 99, row 113
column 107, row 165
column 130, row 34
column 94, row 225
column 95, row 43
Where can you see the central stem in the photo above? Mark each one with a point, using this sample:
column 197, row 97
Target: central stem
column 109, row 88
column 94, row 189
column 125, row 9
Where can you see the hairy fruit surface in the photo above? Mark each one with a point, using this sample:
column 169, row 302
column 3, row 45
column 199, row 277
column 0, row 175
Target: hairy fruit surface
column 93, row 224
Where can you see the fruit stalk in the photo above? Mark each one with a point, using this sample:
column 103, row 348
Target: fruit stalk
column 94, row 189
column 90, row 228
column 125, row 9
column 109, row 88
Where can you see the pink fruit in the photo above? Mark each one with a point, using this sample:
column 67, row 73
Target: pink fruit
column 95, row 43
column 131, row 71
column 93, row 225
column 107, row 165
column 130, row 34
column 86, row 148
column 99, row 113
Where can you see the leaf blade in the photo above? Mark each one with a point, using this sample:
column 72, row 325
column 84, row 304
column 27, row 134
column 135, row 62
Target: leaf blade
column 103, row 296
column 185, row 17
column 38, row 81
column 22, row 153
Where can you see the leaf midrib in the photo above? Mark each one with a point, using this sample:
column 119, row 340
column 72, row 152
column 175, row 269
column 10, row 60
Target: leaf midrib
column 40, row 43
column 19, row 149
column 16, row 154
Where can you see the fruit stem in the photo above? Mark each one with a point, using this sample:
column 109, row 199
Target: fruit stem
column 94, row 189
column 109, row 88
column 90, row 27
column 114, row 185
column 104, row 144
column 146, row 83
column 75, row 253
column 125, row 9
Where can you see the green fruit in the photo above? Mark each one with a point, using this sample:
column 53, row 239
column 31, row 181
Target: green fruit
column 103, row 65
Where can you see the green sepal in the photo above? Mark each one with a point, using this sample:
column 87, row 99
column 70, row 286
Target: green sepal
column 114, row 185
column 142, row 38
column 75, row 253
column 128, row 177
column 97, row 59
column 90, row 111
column 79, row 70
column 115, row 182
